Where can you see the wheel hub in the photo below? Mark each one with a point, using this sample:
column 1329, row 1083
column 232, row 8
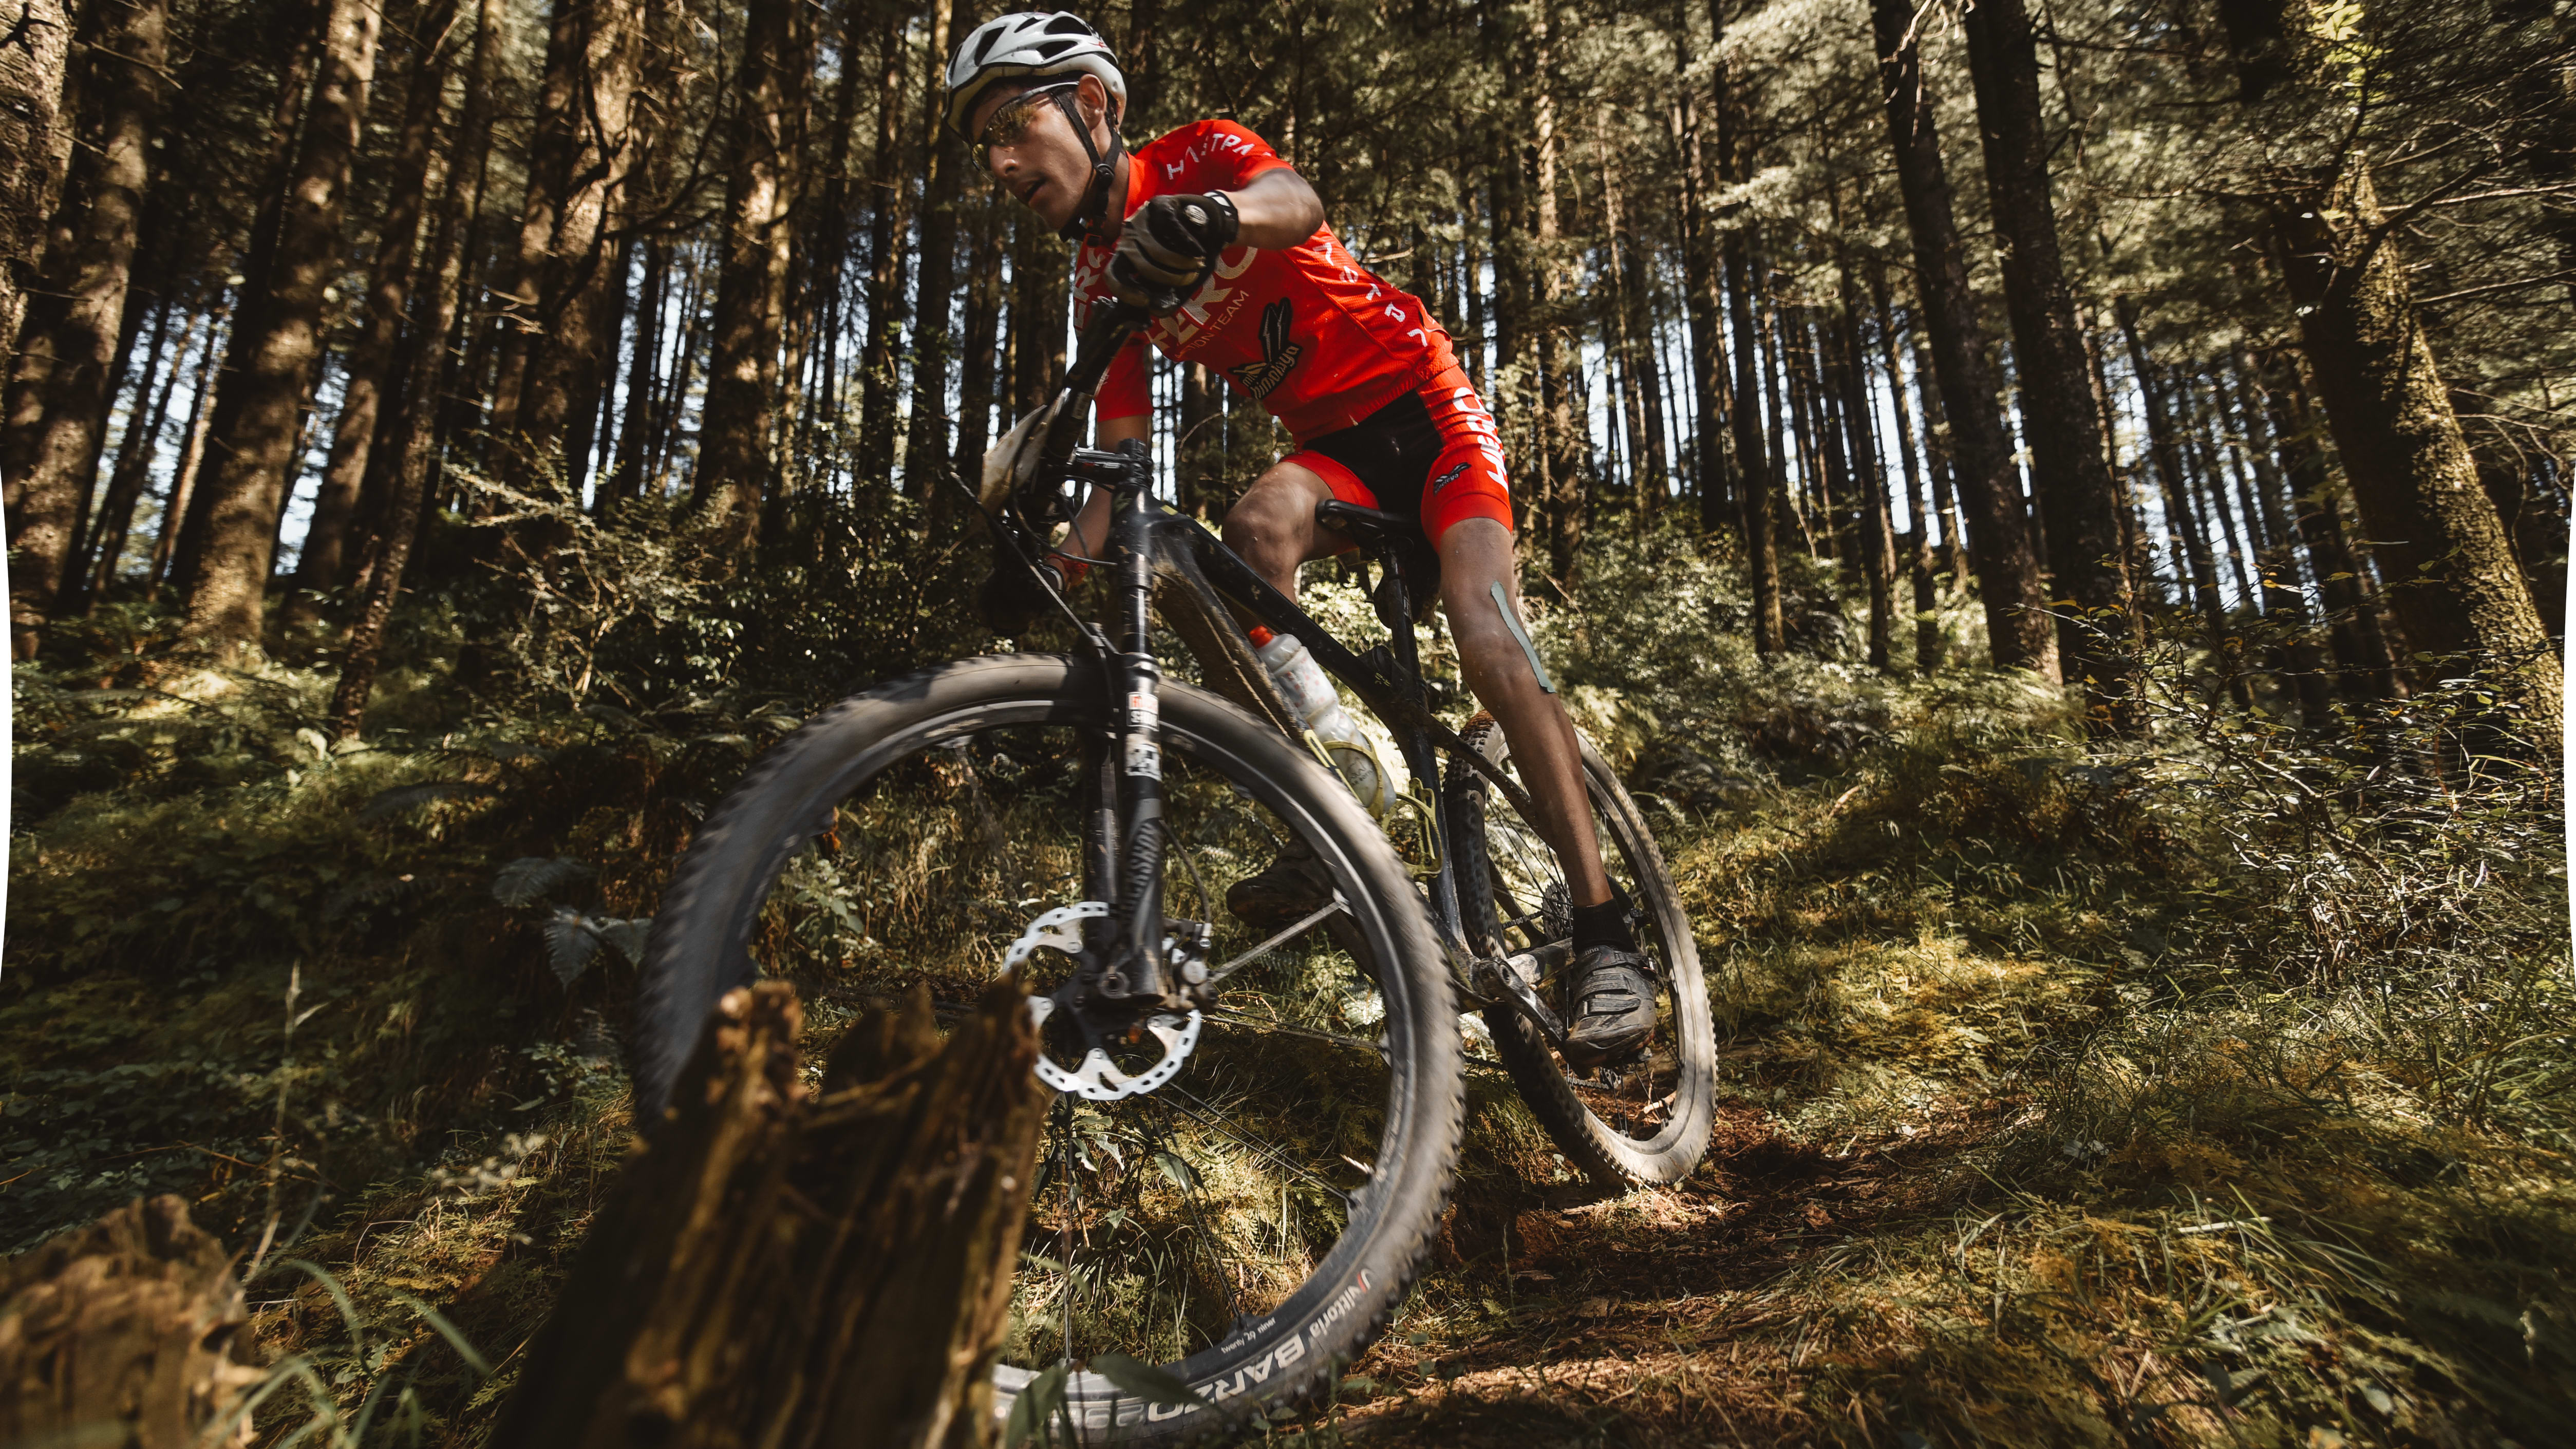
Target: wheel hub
column 1096, row 1077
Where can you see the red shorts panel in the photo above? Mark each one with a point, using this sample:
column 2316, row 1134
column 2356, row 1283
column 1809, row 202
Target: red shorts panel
column 1465, row 480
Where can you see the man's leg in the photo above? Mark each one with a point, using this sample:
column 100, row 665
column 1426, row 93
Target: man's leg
column 1272, row 528
column 1614, row 998
column 1475, row 555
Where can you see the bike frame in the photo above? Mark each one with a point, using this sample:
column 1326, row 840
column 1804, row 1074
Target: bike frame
column 1123, row 843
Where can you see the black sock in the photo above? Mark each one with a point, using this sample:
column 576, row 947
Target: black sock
column 1604, row 925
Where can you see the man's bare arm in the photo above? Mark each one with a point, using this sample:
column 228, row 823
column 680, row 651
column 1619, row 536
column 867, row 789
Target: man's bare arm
column 1276, row 211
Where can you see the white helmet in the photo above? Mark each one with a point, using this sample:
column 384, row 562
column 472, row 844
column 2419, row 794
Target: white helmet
column 1028, row 44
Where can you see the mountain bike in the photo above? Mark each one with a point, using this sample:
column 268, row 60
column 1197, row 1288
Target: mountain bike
column 1253, row 1139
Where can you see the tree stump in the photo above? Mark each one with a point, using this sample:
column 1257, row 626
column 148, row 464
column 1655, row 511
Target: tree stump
column 127, row 1334
column 785, row 1267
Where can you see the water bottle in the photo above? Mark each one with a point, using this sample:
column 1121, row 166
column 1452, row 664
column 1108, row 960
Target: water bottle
column 1310, row 693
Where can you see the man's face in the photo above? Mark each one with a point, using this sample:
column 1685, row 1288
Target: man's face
column 1044, row 164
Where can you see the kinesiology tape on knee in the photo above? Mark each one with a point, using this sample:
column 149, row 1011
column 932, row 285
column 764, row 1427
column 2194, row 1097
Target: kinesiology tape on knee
column 1605, row 924
column 1512, row 621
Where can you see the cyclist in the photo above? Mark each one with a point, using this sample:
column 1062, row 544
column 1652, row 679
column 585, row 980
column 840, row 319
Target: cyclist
column 1358, row 372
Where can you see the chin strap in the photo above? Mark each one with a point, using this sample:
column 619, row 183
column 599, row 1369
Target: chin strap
column 1104, row 170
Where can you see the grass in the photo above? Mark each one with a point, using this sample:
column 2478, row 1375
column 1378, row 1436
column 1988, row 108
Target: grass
column 2213, row 1093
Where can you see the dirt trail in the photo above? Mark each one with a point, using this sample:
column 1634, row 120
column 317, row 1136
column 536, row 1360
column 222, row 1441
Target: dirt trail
column 1567, row 1315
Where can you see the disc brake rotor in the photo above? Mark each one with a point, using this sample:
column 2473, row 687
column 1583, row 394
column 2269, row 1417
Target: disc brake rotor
column 1096, row 1077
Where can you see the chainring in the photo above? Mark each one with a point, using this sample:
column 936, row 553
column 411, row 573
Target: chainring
column 1096, row 1078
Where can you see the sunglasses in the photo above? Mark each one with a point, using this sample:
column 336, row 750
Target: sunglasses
column 1010, row 124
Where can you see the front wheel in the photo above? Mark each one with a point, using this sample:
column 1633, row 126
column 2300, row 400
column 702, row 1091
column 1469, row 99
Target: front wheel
column 1645, row 1118
column 1249, row 1217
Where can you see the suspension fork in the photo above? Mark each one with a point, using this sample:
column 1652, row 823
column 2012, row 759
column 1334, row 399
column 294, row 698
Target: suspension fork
column 1139, row 968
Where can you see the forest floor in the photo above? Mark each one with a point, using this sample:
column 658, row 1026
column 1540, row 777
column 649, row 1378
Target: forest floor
column 2063, row 1098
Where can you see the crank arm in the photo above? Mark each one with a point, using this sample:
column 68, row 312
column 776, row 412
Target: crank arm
column 1510, row 987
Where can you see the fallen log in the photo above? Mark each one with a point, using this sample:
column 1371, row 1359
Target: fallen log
column 791, row 1267
column 126, row 1334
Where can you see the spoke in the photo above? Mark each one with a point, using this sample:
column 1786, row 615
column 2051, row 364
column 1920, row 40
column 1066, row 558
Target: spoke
column 1159, row 1138
column 1286, row 934
column 1208, row 1116
column 1224, row 1016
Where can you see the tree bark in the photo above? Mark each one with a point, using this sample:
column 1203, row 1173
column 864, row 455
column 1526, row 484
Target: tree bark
column 254, row 458
column 2444, row 554
column 61, row 383
column 578, row 159
column 128, row 1332
column 2017, row 624
column 324, row 561
column 426, row 346
column 776, row 1249
column 34, row 146
column 751, row 283
column 2078, row 502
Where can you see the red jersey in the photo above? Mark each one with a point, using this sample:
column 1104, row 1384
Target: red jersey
column 1308, row 332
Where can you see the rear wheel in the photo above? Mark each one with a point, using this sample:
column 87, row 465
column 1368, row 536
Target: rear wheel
column 1645, row 1118
column 1248, row 1219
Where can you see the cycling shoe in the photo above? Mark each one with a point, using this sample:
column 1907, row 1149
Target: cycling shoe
column 1614, row 1005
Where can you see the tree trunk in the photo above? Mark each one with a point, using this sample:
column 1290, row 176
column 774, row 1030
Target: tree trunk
column 2079, row 505
column 133, row 472
column 635, row 429
column 1757, row 466
column 1564, row 439
column 324, row 562
column 129, row 1332
column 776, row 1252
column 2285, row 603
column 303, row 20
column 983, row 331
column 254, row 458
column 1927, row 621
column 1869, row 473
column 192, row 453
column 2008, row 576
column 148, row 415
column 925, row 450
column 888, row 249
column 426, row 346
column 1699, row 290
column 1041, row 305
column 2164, row 447
column 34, row 146
column 2442, row 551
column 751, row 285
column 2364, row 671
column 61, row 383
column 578, row 158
